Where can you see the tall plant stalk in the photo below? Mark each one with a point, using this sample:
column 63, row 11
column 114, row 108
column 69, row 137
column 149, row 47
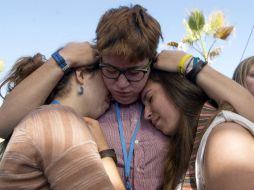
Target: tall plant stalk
column 198, row 29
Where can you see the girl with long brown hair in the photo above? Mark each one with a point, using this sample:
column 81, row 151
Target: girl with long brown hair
column 175, row 104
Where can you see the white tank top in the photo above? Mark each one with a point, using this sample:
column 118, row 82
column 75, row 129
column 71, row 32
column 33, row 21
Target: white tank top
column 220, row 118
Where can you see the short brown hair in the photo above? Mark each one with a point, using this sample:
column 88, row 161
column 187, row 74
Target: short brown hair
column 129, row 32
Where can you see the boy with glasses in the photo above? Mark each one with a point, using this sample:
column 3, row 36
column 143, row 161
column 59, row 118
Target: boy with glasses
column 127, row 40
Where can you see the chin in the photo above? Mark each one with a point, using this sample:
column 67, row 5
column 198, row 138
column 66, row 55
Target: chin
column 166, row 133
column 126, row 101
column 165, row 130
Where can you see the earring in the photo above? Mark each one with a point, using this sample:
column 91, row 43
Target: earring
column 80, row 90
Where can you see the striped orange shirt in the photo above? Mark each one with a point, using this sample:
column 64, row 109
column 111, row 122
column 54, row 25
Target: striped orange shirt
column 52, row 149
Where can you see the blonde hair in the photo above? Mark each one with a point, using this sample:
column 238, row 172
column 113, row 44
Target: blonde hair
column 242, row 71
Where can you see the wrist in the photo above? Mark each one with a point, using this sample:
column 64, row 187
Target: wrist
column 100, row 141
column 109, row 153
column 195, row 67
column 102, row 147
column 189, row 65
column 67, row 56
column 63, row 63
column 184, row 61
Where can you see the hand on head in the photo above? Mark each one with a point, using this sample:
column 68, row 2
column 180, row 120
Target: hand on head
column 79, row 54
column 168, row 60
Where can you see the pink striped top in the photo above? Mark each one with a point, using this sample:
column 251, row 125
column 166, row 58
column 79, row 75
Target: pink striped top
column 151, row 146
column 52, row 149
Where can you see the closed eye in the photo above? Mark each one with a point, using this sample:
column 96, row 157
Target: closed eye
column 147, row 97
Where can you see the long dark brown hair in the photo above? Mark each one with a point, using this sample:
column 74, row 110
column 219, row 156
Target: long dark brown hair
column 189, row 99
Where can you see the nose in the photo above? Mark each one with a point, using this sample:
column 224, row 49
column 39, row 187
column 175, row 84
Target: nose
column 122, row 81
column 147, row 113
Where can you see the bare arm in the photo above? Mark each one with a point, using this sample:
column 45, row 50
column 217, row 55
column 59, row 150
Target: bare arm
column 33, row 91
column 228, row 157
column 223, row 89
column 217, row 86
column 111, row 170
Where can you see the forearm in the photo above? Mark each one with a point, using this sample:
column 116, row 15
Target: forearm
column 29, row 94
column 223, row 89
column 112, row 172
column 102, row 145
column 34, row 89
column 217, row 86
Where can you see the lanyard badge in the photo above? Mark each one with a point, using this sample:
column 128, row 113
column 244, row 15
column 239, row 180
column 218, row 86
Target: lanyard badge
column 127, row 156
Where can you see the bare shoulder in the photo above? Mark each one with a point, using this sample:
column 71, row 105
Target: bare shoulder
column 230, row 138
column 229, row 156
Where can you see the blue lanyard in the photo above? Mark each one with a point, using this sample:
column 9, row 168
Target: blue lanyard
column 55, row 102
column 127, row 157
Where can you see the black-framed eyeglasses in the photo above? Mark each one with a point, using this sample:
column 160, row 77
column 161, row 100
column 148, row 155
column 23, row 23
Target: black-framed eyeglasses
column 134, row 74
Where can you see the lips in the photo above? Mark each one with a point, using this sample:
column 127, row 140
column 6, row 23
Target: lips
column 122, row 94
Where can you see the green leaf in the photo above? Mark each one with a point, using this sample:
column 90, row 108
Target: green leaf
column 196, row 21
column 190, row 36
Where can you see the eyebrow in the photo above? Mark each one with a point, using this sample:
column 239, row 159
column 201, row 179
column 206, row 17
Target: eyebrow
column 130, row 68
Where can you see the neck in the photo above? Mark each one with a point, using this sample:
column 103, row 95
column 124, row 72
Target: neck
column 75, row 103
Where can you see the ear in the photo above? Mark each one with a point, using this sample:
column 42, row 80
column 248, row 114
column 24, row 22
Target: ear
column 80, row 76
